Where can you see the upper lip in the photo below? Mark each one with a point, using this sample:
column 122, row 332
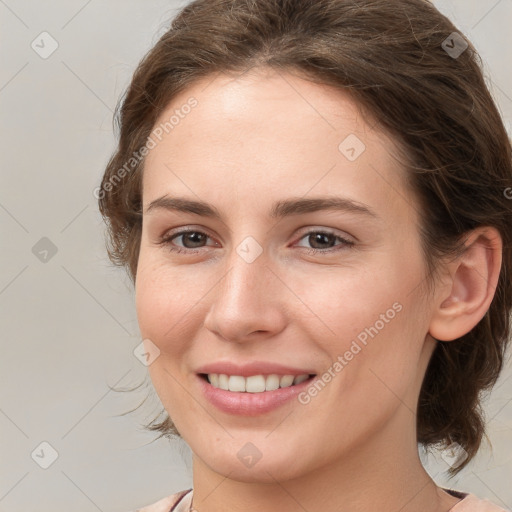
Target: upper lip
column 252, row 368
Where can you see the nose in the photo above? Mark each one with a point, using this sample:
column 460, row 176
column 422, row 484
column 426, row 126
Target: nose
column 247, row 302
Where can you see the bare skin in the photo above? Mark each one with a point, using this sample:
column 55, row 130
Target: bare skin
column 252, row 141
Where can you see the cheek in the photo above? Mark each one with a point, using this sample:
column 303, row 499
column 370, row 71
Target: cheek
column 167, row 306
column 374, row 321
column 166, row 302
column 350, row 303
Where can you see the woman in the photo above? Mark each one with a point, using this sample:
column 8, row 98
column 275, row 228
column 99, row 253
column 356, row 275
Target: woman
column 311, row 198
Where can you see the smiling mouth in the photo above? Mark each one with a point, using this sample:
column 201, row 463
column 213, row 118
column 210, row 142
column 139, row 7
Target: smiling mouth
column 254, row 383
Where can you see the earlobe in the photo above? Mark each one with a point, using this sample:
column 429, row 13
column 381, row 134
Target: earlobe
column 465, row 299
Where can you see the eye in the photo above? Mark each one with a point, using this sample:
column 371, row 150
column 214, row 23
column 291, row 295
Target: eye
column 323, row 242
column 191, row 239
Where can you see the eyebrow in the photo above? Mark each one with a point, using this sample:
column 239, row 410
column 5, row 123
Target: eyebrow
column 280, row 209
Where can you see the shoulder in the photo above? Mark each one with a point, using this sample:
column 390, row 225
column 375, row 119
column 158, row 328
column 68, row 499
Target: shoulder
column 170, row 503
column 471, row 503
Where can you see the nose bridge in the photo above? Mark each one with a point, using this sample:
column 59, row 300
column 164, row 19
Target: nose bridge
column 242, row 286
column 240, row 303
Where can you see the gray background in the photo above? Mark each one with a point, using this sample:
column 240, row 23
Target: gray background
column 68, row 323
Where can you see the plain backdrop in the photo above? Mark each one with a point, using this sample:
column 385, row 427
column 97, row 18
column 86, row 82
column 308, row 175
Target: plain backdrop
column 69, row 327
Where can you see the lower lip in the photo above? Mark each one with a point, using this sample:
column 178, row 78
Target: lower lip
column 250, row 404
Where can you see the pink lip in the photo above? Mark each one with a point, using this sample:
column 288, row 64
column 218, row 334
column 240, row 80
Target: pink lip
column 252, row 368
column 250, row 404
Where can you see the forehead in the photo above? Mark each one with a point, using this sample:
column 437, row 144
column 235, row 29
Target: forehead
column 265, row 132
column 260, row 103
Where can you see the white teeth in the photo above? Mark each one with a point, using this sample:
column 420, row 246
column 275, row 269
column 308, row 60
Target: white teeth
column 214, row 379
column 223, row 381
column 286, row 380
column 236, row 383
column 254, row 383
column 300, row 378
column 272, row 382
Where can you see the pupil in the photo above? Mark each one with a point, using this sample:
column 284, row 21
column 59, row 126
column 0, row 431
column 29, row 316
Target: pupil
column 319, row 237
column 198, row 237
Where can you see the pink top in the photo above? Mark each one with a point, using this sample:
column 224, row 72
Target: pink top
column 181, row 501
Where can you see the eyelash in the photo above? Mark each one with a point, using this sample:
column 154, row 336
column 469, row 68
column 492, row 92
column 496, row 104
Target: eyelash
column 165, row 241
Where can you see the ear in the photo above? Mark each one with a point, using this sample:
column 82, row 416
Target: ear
column 465, row 297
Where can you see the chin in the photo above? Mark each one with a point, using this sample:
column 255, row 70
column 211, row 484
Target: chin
column 244, row 462
column 265, row 472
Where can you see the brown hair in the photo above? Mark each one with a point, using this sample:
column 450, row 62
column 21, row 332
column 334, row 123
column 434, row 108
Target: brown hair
column 404, row 66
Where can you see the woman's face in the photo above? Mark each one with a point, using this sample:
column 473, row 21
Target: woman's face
column 302, row 257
